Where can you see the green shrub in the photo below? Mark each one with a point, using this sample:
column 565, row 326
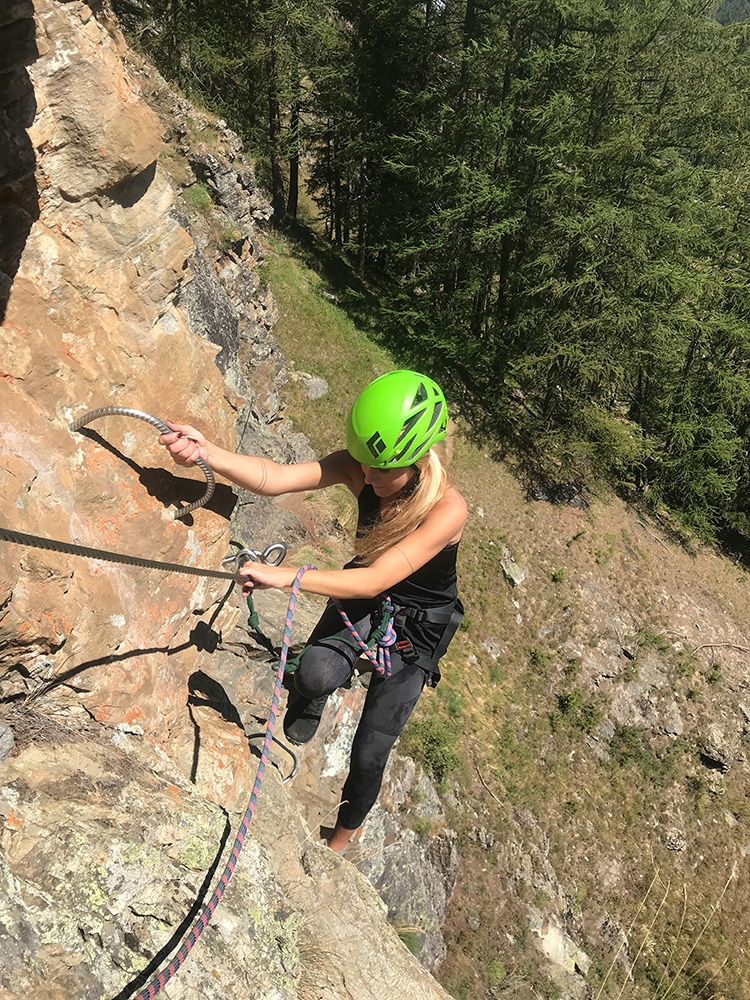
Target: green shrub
column 454, row 702
column 432, row 743
column 422, row 827
column 630, row 747
column 713, row 675
column 650, row 638
column 231, row 235
column 539, row 659
column 572, row 667
column 199, row 196
column 695, row 785
column 411, row 940
column 578, row 712
column 496, row 972
column 497, row 673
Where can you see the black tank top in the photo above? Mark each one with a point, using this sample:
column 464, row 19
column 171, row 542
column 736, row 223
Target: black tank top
column 432, row 585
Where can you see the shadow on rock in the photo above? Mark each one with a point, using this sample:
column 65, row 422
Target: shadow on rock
column 19, row 196
column 169, row 489
column 157, row 960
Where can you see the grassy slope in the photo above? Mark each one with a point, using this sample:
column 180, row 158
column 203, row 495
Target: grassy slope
column 523, row 697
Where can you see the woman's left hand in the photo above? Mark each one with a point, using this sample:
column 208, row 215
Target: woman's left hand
column 261, row 576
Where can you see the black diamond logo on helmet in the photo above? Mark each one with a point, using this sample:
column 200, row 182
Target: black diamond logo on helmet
column 376, row 445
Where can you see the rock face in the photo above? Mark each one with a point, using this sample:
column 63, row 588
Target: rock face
column 128, row 717
column 405, row 849
column 133, row 857
column 91, row 321
column 96, row 898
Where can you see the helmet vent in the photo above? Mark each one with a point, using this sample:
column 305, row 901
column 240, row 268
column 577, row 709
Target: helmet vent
column 421, row 394
column 405, row 450
column 414, row 419
column 436, row 416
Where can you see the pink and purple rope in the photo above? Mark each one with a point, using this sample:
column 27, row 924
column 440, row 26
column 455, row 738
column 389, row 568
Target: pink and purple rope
column 381, row 660
column 162, row 978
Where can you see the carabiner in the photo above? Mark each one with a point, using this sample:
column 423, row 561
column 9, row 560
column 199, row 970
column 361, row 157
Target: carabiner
column 273, row 555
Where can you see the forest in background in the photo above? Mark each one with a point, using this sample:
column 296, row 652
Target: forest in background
column 548, row 196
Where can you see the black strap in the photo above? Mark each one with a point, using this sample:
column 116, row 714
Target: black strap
column 449, row 615
column 450, row 630
column 441, row 615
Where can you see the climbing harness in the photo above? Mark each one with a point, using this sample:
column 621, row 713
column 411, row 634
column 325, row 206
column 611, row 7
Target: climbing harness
column 378, row 650
column 384, row 637
column 125, row 411
column 163, row 977
column 448, row 615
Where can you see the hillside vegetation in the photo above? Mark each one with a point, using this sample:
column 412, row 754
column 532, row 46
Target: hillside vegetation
column 544, row 205
column 549, row 196
column 574, row 724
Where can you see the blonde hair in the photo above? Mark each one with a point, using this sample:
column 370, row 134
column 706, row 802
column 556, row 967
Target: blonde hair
column 407, row 514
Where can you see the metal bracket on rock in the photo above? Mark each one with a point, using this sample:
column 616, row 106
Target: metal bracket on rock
column 273, row 555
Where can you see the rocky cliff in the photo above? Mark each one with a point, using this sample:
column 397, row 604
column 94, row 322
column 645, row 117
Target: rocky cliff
column 125, row 705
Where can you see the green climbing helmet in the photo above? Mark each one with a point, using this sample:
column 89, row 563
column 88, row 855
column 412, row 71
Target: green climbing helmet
column 396, row 420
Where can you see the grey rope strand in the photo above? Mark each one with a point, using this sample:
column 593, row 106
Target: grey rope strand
column 125, row 411
column 21, row 538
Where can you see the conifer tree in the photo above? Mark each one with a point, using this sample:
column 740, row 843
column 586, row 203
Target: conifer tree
column 550, row 192
column 565, row 269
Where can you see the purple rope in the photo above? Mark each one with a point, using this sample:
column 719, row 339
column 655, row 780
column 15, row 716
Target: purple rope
column 381, row 660
column 162, row 978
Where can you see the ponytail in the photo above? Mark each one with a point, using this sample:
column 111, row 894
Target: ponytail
column 405, row 515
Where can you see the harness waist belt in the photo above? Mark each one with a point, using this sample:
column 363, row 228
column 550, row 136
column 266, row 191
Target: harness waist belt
column 434, row 616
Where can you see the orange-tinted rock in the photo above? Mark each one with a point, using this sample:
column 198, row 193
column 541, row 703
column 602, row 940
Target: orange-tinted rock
column 91, row 322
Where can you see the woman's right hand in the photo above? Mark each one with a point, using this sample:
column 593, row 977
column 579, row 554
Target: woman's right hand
column 184, row 443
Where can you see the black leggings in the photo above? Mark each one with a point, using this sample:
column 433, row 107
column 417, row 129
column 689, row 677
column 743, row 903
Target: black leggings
column 327, row 664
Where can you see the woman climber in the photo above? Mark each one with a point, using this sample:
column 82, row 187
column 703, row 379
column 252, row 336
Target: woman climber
column 409, row 526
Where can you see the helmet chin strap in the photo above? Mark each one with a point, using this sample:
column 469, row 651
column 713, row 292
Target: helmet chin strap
column 412, row 485
column 407, row 491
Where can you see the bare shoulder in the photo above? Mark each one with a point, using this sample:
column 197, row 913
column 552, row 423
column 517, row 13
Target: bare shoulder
column 449, row 514
column 340, row 467
column 454, row 502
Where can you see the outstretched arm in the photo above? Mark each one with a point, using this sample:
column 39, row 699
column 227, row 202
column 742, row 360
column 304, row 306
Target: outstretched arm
column 260, row 475
column 442, row 526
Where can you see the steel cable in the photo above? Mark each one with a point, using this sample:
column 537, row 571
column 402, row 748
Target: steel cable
column 126, row 411
column 73, row 549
